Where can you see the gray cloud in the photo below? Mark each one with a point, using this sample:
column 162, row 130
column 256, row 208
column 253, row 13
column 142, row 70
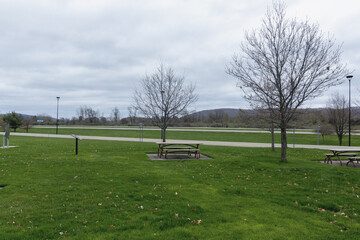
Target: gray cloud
column 96, row 52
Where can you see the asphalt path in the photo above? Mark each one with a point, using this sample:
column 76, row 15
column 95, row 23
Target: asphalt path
column 240, row 130
column 244, row 130
column 209, row 143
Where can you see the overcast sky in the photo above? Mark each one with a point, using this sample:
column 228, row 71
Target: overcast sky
column 95, row 52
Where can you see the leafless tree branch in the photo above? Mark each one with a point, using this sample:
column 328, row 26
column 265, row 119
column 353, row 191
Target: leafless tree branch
column 164, row 96
column 285, row 63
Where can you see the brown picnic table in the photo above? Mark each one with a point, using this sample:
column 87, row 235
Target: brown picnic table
column 350, row 153
column 178, row 147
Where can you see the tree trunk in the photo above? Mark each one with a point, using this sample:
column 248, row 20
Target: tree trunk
column 340, row 140
column 283, row 141
column 164, row 135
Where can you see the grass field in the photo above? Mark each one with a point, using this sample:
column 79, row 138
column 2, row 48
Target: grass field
column 208, row 136
column 111, row 190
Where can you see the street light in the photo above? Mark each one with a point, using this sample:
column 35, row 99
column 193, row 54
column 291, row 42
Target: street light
column 349, row 77
column 162, row 115
column 57, row 115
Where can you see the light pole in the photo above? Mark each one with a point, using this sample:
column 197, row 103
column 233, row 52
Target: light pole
column 57, row 115
column 349, row 77
column 162, row 115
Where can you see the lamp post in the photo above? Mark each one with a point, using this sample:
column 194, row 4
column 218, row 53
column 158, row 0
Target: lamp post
column 162, row 115
column 57, row 115
column 349, row 77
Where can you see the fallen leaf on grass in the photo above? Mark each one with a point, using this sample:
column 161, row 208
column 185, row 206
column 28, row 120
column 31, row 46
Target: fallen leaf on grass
column 321, row 209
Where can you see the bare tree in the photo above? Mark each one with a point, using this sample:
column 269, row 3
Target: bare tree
column 285, row 63
column 325, row 129
column 163, row 97
column 338, row 114
column 27, row 123
column 132, row 115
column 266, row 116
column 87, row 114
column 115, row 115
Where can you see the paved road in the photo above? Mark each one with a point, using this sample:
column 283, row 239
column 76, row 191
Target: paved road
column 210, row 143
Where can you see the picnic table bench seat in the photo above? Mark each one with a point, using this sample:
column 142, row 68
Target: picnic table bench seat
column 328, row 157
column 196, row 151
column 347, row 154
column 163, row 149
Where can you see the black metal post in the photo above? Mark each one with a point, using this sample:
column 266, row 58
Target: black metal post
column 77, row 144
column 349, row 77
column 162, row 116
column 57, row 115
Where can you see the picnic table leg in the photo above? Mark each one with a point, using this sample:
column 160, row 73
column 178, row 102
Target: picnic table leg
column 352, row 163
column 160, row 151
column 327, row 159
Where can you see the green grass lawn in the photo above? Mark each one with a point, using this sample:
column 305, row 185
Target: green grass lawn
column 205, row 136
column 111, row 190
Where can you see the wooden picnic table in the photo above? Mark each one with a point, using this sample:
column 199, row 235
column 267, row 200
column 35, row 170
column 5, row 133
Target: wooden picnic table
column 343, row 152
column 176, row 147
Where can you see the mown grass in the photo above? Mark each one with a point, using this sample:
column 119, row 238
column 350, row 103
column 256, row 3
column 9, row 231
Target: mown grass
column 205, row 136
column 111, row 190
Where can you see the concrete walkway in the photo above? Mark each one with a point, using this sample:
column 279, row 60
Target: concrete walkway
column 210, row 143
column 199, row 129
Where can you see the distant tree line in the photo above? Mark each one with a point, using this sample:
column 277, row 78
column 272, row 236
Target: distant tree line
column 326, row 121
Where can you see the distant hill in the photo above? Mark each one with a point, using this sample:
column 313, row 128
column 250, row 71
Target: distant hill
column 25, row 116
column 233, row 112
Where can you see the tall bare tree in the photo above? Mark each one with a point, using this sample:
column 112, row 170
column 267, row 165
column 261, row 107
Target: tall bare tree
column 285, row 63
column 338, row 115
column 163, row 96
